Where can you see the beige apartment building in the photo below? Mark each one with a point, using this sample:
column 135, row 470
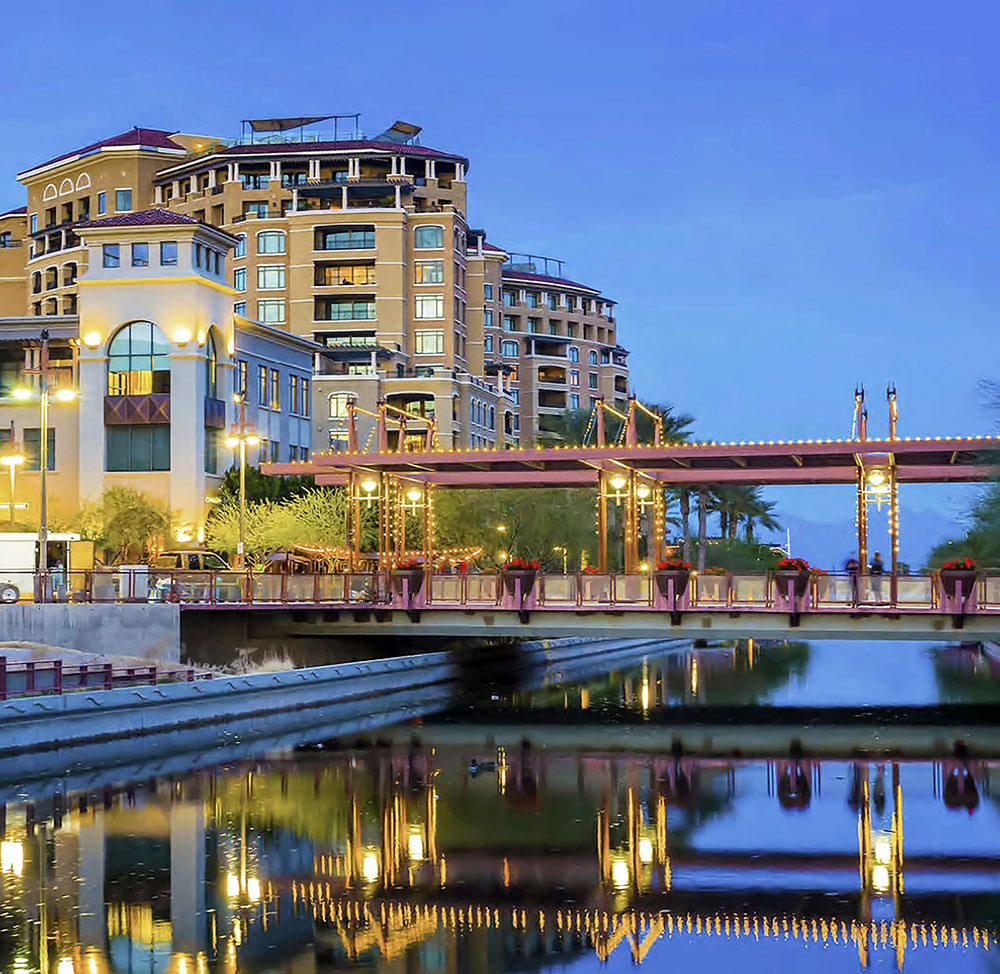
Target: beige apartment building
column 360, row 244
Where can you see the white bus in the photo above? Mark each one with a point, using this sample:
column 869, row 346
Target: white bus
column 19, row 562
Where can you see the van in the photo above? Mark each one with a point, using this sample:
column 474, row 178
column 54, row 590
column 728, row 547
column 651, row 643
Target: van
column 67, row 554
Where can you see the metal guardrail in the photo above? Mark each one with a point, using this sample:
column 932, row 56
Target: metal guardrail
column 25, row 678
column 730, row 592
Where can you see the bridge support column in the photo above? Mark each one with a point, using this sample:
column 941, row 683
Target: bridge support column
column 655, row 549
column 631, row 526
column 862, row 521
column 602, row 522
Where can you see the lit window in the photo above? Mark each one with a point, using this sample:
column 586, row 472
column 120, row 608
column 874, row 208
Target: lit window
column 275, row 389
column 241, row 377
column 428, row 342
column 430, row 272
column 211, row 368
column 271, row 310
column 137, row 361
column 261, row 385
column 338, row 404
column 123, row 200
column 271, row 277
column 428, row 238
column 427, row 306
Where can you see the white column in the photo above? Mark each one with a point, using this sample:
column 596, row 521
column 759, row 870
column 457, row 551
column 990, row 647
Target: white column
column 177, row 188
column 295, row 200
column 343, row 197
column 275, row 169
column 187, row 877
column 399, row 201
column 90, row 416
column 460, row 172
column 211, row 178
column 90, row 893
column 314, row 170
column 187, row 433
column 430, row 169
column 158, row 195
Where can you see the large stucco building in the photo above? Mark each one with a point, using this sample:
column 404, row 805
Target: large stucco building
column 362, row 245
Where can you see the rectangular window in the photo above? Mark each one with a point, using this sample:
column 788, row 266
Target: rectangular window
column 509, row 299
column 428, row 238
column 271, row 311
column 138, row 448
column 241, row 377
column 240, row 279
column 140, row 255
column 430, row 272
column 509, row 323
column 361, row 239
column 488, row 343
column 592, row 380
column 534, row 325
column 553, row 327
column 355, row 368
column 271, row 242
column 254, row 180
column 168, row 253
column 262, row 451
column 304, row 404
column 275, row 386
column 531, row 299
column 240, row 249
column 257, row 211
column 488, row 318
column 344, row 310
column 34, row 221
column 112, row 255
column 428, row 342
column 32, row 450
column 293, row 394
column 428, row 306
column 553, row 302
column 574, row 354
column 240, row 308
column 213, row 437
column 270, row 277
column 574, row 400
column 102, row 203
column 275, row 451
column 261, row 385
column 605, row 358
column 123, row 201
column 487, row 292
column 574, row 377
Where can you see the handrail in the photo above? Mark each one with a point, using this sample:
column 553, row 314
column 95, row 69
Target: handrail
column 704, row 592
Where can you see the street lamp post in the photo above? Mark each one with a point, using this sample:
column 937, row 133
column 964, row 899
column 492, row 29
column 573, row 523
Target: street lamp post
column 62, row 394
column 241, row 435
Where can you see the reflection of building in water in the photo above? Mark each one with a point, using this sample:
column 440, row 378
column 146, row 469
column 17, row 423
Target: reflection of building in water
column 364, row 857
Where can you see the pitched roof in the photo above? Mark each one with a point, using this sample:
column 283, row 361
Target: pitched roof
column 155, row 217
column 507, row 274
column 148, row 138
column 489, row 246
column 18, row 210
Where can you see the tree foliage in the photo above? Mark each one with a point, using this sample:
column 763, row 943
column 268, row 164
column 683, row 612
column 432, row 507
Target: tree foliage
column 982, row 540
column 130, row 525
column 261, row 488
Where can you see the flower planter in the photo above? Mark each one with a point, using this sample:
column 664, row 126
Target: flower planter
column 679, row 577
column 415, row 577
column 527, row 577
column 801, row 580
column 957, row 584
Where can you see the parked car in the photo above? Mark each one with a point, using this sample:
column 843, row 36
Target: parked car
column 191, row 576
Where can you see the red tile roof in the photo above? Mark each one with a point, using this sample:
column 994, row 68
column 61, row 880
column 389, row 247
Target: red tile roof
column 143, row 218
column 265, row 148
column 489, row 246
column 150, row 138
column 542, row 279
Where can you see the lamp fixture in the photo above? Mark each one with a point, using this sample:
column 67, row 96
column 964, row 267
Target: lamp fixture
column 92, row 339
column 618, row 481
column 369, row 486
column 182, row 336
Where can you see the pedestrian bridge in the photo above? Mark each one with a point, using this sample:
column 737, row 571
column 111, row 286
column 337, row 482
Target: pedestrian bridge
column 636, row 605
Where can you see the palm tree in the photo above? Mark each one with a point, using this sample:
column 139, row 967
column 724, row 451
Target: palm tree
column 569, row 428
column 702, row 525
column 759, row 513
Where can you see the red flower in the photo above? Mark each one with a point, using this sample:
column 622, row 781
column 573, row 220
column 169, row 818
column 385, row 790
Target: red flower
column 965, row 564
column 673, row 565
column 409, row 566
column 792, row 565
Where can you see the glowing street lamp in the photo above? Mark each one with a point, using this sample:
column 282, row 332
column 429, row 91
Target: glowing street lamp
column 240, row 437
column 12, row 460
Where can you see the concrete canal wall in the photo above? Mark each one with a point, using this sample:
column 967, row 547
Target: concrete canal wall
column 145, row 631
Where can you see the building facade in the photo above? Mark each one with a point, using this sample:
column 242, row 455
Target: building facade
column 361, row 245
column 149, row 364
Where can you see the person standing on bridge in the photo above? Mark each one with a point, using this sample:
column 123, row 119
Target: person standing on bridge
column 876, row 569
column 853, row 569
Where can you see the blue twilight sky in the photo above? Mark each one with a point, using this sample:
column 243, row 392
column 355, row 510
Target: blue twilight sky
column 786, row 197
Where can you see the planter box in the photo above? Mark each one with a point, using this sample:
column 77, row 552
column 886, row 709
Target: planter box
column 680, row 578
column 415, row 577
column 801, row 579
column 527, row 577
column 958, row 584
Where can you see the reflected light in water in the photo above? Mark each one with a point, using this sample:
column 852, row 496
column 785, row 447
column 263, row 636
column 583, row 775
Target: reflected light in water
column 619, row 873
column 645, row 851
column 11, row 857
column 883, row 851
column 253, row 889
column 369, row 867
column 232, row 885
column 65, row 966
column 880, row 879
column 415, row 845
column 644, row 695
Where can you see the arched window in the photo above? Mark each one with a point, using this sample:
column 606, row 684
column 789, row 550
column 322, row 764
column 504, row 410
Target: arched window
column 508, row 349
column 271, row 242
column 574, row 353
column 592, row 357
column 137, row 361
column 36, row 282
column 428, row 238
column 211, row 368
column 493, row 418
column 241, row 246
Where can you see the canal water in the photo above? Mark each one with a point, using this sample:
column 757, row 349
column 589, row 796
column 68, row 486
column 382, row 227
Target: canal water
column 493, row 837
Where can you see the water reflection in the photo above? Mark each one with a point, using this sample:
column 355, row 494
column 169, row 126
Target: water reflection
column 461, row 859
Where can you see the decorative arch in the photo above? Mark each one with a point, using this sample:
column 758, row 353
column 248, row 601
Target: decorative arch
column 50, row 193
column 66, row 186
column 138, row 363
column 83, row 181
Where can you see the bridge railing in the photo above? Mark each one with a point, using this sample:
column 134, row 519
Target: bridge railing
column 731, row 591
